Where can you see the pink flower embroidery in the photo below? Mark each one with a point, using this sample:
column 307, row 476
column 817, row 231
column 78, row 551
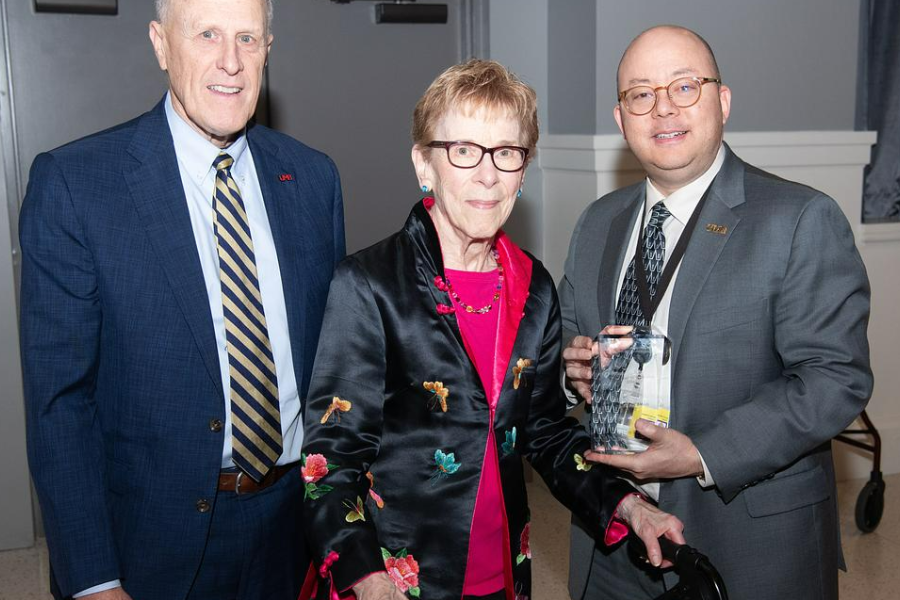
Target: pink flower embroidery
column 315, row 468
column 524, row 544
column 404, row 572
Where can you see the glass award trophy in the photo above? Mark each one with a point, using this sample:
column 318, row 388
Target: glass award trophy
column 628, row 383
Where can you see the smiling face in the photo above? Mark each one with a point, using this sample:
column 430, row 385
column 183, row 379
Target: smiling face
column 471, row 205
column 674, row 145
column 214, row 52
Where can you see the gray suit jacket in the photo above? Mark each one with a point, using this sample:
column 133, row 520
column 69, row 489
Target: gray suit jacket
column 770, row 360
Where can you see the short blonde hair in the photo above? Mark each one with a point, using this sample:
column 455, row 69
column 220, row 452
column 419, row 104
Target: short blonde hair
column 473, row 85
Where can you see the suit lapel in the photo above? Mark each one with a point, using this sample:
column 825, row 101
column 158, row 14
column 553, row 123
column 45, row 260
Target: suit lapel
column 615, row 256
column 703, row 250
column 285, row 188
column 158, row 196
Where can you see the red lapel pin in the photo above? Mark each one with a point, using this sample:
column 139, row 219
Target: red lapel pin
column 285, row 177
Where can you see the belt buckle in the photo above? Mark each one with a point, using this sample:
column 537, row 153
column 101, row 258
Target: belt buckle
column 237, row 482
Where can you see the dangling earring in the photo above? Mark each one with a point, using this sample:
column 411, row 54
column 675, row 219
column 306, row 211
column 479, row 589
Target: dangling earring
column 424, row 189
column 519, row 193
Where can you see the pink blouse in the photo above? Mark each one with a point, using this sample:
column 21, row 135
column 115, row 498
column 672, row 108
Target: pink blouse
column 487, row 542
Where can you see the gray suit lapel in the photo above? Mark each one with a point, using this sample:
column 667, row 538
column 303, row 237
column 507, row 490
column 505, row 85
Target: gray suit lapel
column 703, row 250
column 615, row 256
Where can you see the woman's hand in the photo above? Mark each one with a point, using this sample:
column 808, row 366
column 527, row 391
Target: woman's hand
column 378, row 586
column 649, row 522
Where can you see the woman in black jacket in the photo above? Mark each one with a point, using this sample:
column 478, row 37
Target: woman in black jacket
column 438, row 369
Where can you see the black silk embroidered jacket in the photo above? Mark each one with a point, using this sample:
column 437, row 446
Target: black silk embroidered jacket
column 397, row 417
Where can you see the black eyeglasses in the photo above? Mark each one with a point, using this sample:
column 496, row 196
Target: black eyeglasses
column 683, row 93
column 468, row 155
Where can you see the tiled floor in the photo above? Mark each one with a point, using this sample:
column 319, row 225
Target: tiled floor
column 874, row 573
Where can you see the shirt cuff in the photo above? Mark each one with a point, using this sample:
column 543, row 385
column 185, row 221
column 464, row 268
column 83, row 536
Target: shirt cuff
column 617, row 529
column 706, row 480
column 571, row 399
column 109, row 585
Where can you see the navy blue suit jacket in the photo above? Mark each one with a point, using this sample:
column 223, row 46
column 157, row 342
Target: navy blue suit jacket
column 121, row 371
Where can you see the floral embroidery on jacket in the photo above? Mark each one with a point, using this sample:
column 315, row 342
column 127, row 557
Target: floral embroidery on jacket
column 403, row 570
column 357, row 512
column 313, row 468
column 446, row 465
column 581, row 464
column 439, row 395
column 336, row 407
column 524, row 545
column 521, row 365
column 378, row 501
column 509, row 445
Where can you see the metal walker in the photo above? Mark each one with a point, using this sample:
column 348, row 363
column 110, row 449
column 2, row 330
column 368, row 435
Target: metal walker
column 870, row 502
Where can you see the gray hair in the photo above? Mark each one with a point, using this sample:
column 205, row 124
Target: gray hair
column 162, row 10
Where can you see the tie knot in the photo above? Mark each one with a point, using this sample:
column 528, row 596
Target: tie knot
column 658, row 214
column 223, row 162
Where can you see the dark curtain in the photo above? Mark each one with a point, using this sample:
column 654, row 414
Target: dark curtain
column 878, row 107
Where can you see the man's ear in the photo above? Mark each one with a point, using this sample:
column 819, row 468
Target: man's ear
column 617, row 115
column 158, row 39
column 725, row 101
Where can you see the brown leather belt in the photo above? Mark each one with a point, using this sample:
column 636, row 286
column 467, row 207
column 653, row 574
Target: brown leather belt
column 240, row 483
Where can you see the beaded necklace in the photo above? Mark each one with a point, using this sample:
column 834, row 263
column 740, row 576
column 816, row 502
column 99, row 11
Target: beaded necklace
column 446, row 286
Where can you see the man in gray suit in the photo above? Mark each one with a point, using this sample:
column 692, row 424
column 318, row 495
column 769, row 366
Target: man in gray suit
column 767, row 311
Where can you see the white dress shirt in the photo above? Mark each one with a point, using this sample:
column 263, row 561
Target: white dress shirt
column 195, row 165
column 681, row 204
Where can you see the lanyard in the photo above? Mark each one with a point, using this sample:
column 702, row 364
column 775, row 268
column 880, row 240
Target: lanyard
column 648, row 304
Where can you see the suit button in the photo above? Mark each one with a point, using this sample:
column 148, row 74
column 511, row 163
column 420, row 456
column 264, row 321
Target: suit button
column 203, row 506
column 215, row 425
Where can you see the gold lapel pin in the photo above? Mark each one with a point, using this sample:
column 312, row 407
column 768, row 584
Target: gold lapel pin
column 720, row 229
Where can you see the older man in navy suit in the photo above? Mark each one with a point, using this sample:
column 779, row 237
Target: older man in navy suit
column 174, row 276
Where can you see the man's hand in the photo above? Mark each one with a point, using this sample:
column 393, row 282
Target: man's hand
column 116, row 593
column 671, row 455
column 649, row 523
column 378, row 586
column 578, row 354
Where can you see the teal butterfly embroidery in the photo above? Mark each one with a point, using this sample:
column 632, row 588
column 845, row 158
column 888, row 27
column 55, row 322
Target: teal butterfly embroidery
column 445, row 465
column 509, row 445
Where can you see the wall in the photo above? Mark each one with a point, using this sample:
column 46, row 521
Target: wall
column 348, row 87
column 791, row 65
column 16, row 528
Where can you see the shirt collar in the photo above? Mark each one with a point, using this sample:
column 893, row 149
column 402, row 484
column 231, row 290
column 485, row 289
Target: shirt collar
column 682, row 202
column 196, row 153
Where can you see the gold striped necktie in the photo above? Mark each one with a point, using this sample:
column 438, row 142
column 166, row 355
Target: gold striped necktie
column 255, row 417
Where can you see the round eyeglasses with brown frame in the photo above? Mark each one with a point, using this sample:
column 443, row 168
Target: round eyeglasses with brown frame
column 684, row 92
column 468, row 155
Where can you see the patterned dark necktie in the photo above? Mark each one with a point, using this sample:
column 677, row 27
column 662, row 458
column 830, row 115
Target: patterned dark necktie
column 628, row 309
column 255, row 417
column 605, row 407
